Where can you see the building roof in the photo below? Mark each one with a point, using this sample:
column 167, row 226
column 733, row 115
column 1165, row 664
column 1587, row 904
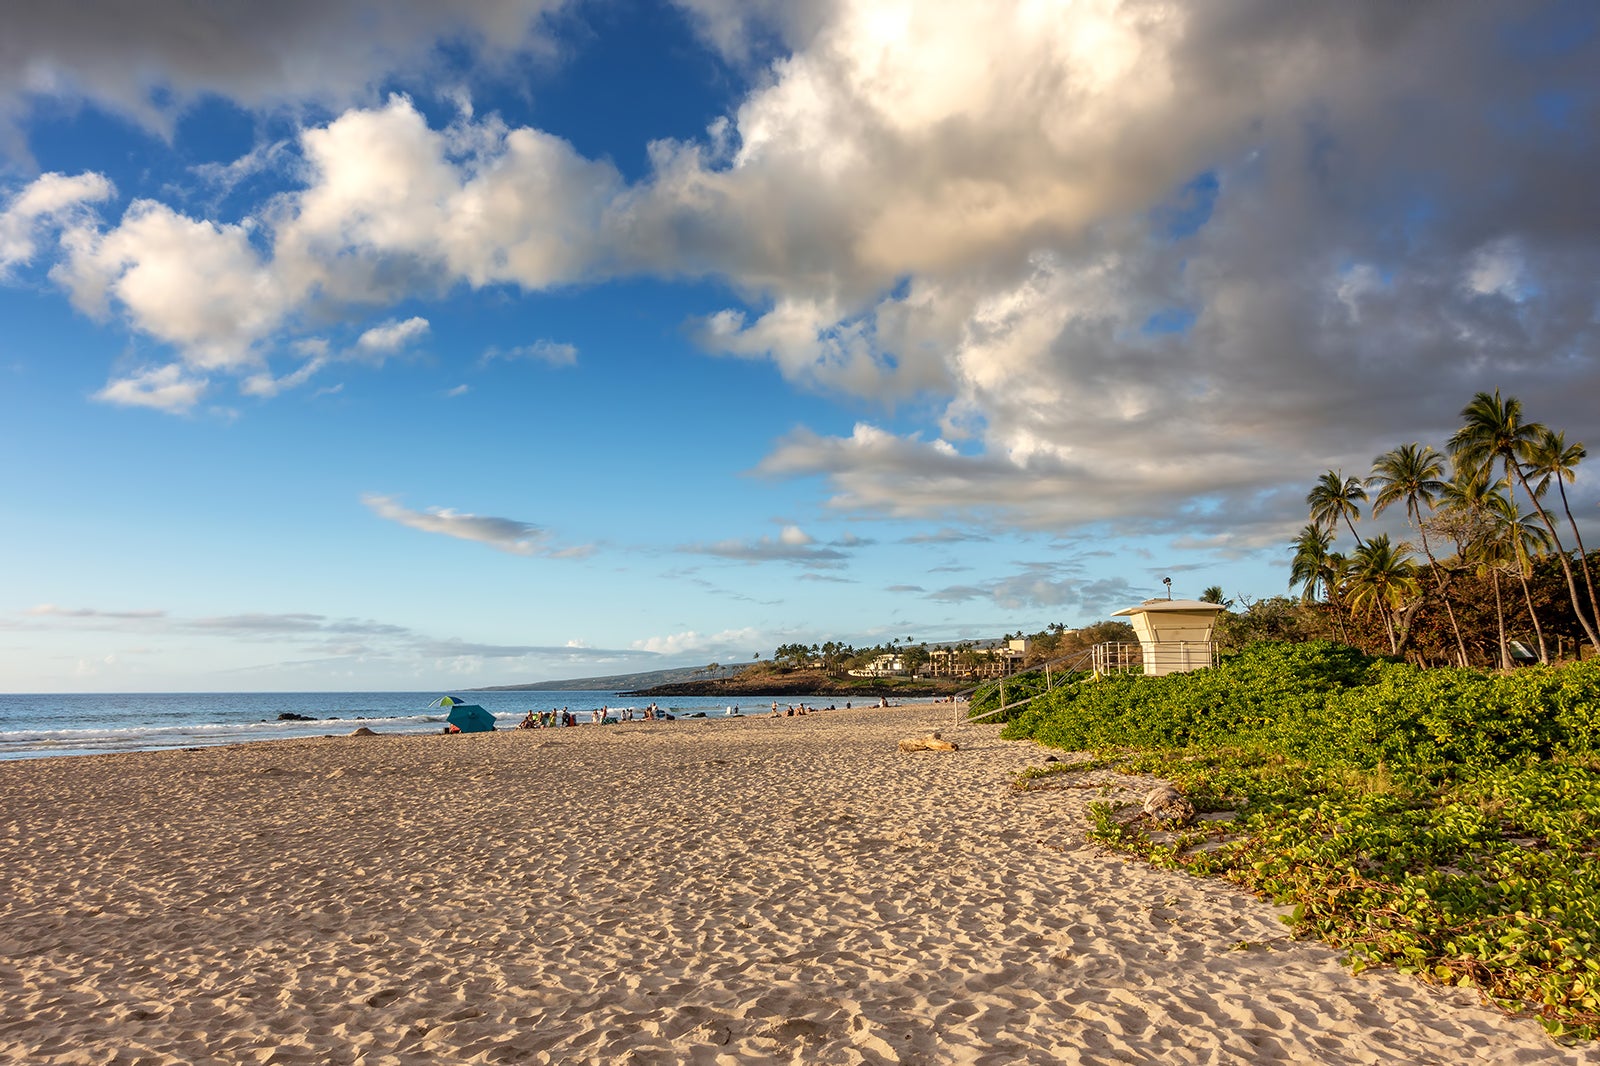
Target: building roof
column 1169, row 605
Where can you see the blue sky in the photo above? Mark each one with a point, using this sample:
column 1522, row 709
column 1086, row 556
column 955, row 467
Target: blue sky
column 405, row 344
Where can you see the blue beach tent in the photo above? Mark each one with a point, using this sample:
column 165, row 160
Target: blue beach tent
column 467, row 717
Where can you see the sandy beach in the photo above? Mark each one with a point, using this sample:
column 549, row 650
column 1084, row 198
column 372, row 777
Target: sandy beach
column 755, row 890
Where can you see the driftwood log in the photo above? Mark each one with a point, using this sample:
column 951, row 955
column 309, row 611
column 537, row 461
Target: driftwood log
column 931, row 742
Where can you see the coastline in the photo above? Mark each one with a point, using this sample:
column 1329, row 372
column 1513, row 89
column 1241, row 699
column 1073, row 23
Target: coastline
column 788, row 889
column 807, row 683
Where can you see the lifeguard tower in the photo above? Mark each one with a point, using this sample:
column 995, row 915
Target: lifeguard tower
column 1175, row 636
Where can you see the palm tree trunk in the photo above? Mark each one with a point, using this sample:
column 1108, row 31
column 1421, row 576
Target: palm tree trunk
column 1538, row 631
column 1500, row 621
column 1561, row 554
column 1433, row 567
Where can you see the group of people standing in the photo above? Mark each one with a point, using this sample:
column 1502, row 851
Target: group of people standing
column 599, row 716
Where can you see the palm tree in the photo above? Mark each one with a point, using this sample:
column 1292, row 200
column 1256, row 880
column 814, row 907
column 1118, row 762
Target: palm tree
column 1494, row 431
column 1415, row 473
column 1514, row 543
column 1309, row 566
column 1382, row 579
column 1464, row 514
column 1315, row 568
column 1553, row 459
column 1333, row 498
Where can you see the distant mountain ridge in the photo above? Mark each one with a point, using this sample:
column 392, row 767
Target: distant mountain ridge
column 612, row 682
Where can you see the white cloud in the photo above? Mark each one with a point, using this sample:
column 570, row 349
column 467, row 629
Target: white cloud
column 503, row 534
column 1496, row 270
column 734, row 644
column 197, row 285
column 163, row 388
column 266, row 386
column 393, row 335
column 50, row 199
column 225, row 177
column 459, row 390
column 1126, row 261
column 394, row 207
column 554, row 353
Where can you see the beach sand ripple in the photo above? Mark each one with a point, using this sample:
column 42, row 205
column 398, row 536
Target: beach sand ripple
column 755, row 890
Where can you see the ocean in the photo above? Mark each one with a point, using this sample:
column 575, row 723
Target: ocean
column 34, row 726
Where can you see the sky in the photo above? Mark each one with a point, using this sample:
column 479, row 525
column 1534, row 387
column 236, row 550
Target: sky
column 402, row 344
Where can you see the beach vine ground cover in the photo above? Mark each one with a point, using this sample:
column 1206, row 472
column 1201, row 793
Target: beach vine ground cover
column 1443, row 822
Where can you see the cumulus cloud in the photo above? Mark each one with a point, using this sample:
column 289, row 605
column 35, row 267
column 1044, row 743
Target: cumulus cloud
column 197, row 285
column 1128, row 262
column 391, row 209
column 503, row 534
column 395, row 207
column 49, row 201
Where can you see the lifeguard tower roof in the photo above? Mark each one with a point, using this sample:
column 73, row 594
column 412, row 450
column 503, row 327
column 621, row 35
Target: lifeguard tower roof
column 1169, row 605
column 1175, row 635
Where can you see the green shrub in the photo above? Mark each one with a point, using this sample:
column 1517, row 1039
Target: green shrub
column 1443, row 822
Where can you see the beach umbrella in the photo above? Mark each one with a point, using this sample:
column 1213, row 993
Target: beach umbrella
column 470, row 718
column 467, row 717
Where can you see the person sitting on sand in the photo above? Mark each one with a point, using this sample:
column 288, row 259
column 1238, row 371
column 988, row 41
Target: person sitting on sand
column 527, row 722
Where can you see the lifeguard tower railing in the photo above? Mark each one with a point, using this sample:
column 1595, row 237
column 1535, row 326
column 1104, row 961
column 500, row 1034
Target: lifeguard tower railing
column 1154, row 658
